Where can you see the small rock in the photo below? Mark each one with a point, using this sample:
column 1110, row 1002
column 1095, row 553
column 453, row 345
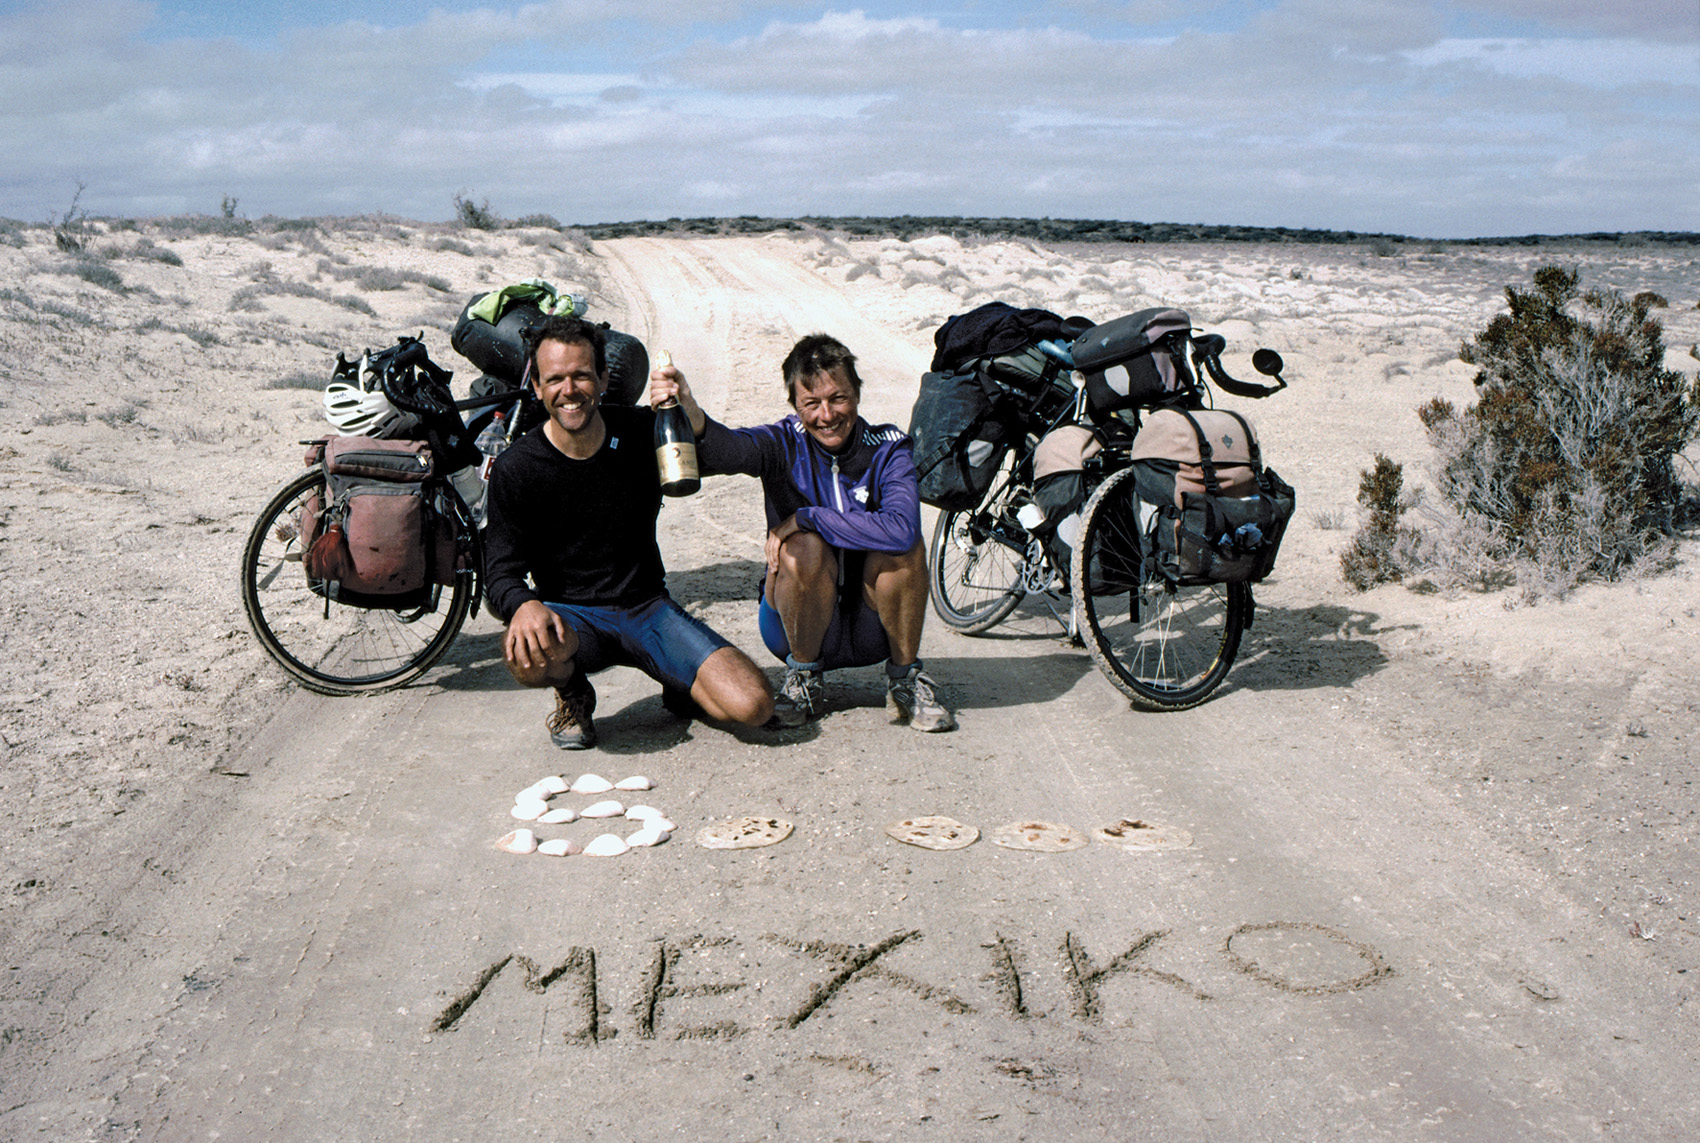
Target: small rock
column 557, row 817
column 609, row 809
column 529, row 809
column 519, row 841
column 608, row 845
column 635, row 782
column 591, row 784
column 559, row 847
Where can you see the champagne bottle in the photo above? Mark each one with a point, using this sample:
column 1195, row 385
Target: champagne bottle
column 675, row 444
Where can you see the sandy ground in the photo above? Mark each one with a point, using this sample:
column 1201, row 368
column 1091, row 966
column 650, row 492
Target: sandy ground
column 1442, row 884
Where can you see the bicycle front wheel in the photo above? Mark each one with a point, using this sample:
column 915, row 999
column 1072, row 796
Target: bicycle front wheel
column 1164, row 647
column 330, row 647
column 976, row 562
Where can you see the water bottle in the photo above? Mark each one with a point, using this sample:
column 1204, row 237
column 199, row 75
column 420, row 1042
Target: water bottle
column 491, row 442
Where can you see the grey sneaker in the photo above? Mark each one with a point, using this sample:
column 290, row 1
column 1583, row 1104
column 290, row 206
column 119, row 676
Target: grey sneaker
column 913, row 697
column 799, row 698
column 570, row 726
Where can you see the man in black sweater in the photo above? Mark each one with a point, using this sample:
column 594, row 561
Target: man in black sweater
column 573, row 506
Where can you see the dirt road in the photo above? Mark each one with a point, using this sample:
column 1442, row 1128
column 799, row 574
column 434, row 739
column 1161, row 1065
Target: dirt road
column 1384, row 926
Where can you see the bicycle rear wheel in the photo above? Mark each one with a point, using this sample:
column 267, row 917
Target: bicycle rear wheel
column 1164, row 647
column 330, row 647
column 976, row 562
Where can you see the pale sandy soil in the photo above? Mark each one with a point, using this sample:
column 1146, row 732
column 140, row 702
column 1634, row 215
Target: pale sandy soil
column 143, row 434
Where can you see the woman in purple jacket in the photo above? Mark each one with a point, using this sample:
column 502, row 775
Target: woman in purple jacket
column 846, row 578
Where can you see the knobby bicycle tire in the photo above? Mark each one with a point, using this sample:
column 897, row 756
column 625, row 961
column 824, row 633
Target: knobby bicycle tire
column 330, row 647
column 975, row 560
column 1165, row 647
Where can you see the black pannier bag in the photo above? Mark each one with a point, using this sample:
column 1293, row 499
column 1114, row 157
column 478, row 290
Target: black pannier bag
column 499, row 350
column 1137, row 360
column 961, row 434
column 1211, row 511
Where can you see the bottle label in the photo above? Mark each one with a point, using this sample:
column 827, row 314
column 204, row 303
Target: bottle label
column 677, row 461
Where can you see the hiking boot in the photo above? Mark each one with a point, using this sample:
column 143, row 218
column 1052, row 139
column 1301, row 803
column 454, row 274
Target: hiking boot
column 799, row 697
column 570, row 726
column 912, row 696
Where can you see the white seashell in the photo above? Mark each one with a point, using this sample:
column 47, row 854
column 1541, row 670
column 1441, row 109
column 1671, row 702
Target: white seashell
column 591, row 784
column 559, row 847
column 519, row 841
column 554, row 784
column 635, row 782
column 665, row 825
column 529, row 809
column 556, row 817
column 648, row 835
column 638, row 813
column 533, row 794
column 608, row 845
column 604, row 810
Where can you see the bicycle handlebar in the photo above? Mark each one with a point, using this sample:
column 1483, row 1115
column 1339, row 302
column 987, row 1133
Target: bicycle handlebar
column 1207, row 351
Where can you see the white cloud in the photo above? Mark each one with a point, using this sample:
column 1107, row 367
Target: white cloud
column 1303, row 113
column 1594, row 63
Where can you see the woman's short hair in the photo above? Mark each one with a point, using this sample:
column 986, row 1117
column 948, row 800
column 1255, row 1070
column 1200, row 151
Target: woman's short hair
column 817, row 353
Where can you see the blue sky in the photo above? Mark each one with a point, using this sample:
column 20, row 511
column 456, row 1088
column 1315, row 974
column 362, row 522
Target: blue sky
column 1436, row 118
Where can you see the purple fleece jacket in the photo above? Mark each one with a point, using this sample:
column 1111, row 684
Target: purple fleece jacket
column 865, row 499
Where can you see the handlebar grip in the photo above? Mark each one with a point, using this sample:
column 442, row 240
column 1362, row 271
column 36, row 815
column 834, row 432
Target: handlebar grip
column 1213, row 366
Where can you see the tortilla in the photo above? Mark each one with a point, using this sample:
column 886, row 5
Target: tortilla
column 1040, row 837
column 1134, row 834
column 744, row 833
column 934, row 833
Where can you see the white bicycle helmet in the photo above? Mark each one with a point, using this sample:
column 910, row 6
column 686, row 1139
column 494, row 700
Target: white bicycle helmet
column 354, row 411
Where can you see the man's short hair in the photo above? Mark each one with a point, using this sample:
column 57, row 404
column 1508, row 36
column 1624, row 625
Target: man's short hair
column 817, row 353
column 560, row 327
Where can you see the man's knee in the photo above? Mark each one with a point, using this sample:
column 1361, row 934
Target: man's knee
column 554, row 665
column 732, row 688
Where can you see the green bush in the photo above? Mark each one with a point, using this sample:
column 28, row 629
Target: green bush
column 476, row 216
column 1383, row 549
column 1564, row 468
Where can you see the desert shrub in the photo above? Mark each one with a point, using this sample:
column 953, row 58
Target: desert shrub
column 247, row 299
column 97, row 273
column 379, row 278
column 11, row 232
column 538, row 221
column 476, row 216
column 197, row 224
column 121, row 414
column 70, row 229
column 1383, row 549
column 1564, row 468
column 452, row 246
column 198, row 334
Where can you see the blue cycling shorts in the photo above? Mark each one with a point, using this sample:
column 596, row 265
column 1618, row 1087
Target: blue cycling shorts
column 657, row 637
column 854, row 638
